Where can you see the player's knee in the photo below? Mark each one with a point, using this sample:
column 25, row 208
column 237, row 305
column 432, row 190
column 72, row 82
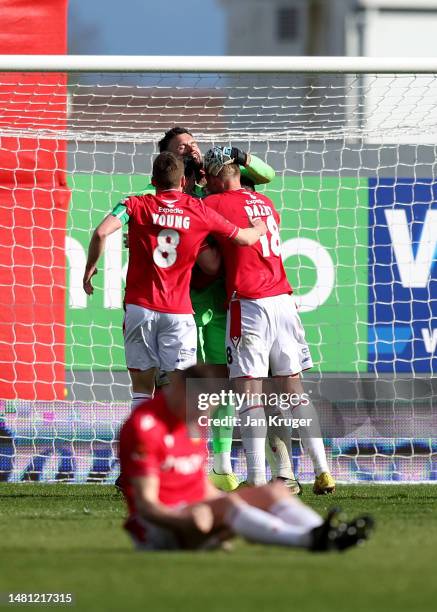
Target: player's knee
column 231, row 501
column 143, row 381
column 224, row 506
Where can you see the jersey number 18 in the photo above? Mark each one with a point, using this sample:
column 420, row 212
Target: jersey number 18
column 271, row 242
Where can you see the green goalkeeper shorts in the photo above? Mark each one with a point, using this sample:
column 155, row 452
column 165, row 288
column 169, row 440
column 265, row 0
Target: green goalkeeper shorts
column 210, row 317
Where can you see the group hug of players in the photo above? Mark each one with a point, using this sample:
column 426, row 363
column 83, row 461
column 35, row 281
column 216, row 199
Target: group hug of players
column 200, row 237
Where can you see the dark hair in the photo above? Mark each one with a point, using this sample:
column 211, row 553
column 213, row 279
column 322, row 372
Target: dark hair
column 167, row 171
column 169, row 135
column 192, row 167
column 189, row 166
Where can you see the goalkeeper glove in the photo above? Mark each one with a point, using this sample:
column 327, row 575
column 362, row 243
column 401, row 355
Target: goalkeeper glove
column 239, row 156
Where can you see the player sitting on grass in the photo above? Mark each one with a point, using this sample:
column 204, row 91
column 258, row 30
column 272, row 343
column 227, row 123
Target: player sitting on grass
column 166, row 231
column 172, row 505
column 264, row 329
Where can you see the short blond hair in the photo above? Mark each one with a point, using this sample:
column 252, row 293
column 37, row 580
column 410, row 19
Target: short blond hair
column 228, row 171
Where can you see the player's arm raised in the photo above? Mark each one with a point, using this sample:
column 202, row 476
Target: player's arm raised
column 108, row 226
column 251, row 166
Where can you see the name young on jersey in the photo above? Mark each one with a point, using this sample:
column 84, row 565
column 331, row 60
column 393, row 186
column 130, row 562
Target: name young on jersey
column 171, row 218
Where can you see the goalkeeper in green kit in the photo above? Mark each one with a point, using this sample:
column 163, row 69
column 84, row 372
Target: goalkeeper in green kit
column 208, row 292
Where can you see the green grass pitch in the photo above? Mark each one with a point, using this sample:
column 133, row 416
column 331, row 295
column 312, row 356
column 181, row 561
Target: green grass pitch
column 66, row 538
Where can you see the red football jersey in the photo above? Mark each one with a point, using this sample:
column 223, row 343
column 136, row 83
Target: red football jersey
column 154, row 441
column 165, row 233
column 256, row 271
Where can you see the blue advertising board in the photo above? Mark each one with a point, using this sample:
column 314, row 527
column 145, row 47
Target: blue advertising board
column 402, row 275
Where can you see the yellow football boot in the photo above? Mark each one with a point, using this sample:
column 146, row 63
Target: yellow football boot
column 324, row 484
column 224, row 482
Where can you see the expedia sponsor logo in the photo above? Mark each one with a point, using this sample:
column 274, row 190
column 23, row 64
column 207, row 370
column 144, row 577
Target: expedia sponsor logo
column 177, row 211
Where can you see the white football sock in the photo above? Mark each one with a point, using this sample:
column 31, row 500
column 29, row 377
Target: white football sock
column 312, row 445
column 222, row 463
column 253, row 438
column 258, row 526
column 316, row 450
column 294, row 512
column 139, row 398
column 279, row 444
column 271, row 459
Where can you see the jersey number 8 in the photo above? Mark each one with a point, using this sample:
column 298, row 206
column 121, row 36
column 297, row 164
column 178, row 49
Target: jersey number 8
column 165, row 253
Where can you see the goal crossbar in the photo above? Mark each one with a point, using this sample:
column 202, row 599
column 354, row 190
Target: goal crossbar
column 222, row 64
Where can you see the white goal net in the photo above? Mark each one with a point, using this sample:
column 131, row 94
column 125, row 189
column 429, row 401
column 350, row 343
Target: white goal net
column 355, row 162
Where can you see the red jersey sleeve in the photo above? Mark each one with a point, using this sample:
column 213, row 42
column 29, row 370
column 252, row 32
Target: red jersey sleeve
column 146, row 451
column 217, row 224
column 131, row 203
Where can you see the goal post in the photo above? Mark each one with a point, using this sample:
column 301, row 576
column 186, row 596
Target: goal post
column 353, row 144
